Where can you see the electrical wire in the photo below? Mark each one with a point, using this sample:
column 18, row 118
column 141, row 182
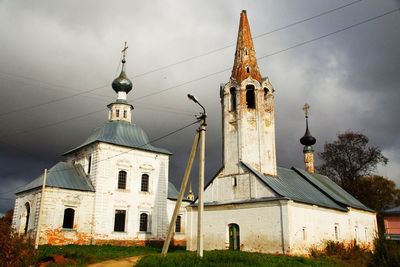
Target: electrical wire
column 84, row 165
column 178, row 62
column 272, row 54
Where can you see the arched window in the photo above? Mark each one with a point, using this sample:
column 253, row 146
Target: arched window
column 69, row 215
column 250, row 97
column 143, row 222
column 27, row 214
column 125, row 114
column 122, row 180
column 248, row 69
column 117, row 113
column 233, row 98
column 234, row 236
column 145, row 183
column 178, row 224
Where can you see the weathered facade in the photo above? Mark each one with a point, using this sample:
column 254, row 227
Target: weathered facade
column 113, row 188
column 253, row 205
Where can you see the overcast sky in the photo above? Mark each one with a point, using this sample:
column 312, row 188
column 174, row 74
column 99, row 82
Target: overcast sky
column 52, row 52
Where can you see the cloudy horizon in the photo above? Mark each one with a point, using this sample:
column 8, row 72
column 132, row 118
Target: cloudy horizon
column 58, row 60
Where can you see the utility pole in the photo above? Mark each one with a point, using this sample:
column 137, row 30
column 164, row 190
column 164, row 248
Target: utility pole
column 40, row 210
column 180, row 195
column 201, row 185
column 199, row 139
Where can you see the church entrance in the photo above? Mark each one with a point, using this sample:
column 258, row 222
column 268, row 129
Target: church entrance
column 234, row 237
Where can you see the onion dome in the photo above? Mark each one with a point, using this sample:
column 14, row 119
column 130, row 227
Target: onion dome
column 122, row 83
column 307, row 139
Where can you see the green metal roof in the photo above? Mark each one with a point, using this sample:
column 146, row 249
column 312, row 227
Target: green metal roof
column 173, row 192
column 62, row 175
column 121, row 133
column 290, row 184
column 334, row 191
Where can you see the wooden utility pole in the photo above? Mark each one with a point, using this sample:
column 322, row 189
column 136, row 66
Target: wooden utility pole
column 185, row 180
column 200, row 138
column 40, row 210
column 200, row 208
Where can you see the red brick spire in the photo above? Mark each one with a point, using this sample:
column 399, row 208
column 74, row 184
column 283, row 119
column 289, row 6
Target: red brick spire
column 245, row 64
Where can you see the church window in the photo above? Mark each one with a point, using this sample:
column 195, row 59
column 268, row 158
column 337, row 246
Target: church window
column 143, row 222
column 119, row 221
column 178, row 224
column 89, row 164
column 125, row 113
column 304, row 231
column 266, row 91
column 122, row 180
column 336, row 232
column 246, row 51
column 233, row 98
column 250, row 97
column 145, row 183
column 248, row 69
column 366, row 234
column 234, row 181
column 68, row 222
column 356, row 234
column 27, row 215
column 117, row 113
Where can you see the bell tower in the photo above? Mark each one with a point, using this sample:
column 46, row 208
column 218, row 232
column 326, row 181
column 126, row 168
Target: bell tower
column 248, row 111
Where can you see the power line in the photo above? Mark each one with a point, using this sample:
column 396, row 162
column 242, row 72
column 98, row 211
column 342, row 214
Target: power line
column 148, row 143
column 151, row 141
column 172, row 64
column 274, row 53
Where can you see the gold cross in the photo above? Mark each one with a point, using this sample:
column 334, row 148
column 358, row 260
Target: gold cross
column 306, row 107
column 124, row 52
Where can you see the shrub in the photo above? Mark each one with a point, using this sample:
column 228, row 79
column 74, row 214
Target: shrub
column 387, row 252
column 351, row 253
column 15, row 249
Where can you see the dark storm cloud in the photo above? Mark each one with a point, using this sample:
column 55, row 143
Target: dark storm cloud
column 50, row 50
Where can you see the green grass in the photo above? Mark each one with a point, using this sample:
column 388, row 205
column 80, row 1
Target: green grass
column 91, row 254
column 231, row 258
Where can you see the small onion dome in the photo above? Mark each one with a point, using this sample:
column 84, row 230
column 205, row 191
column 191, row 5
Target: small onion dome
column 307, row 139
column 122, row 83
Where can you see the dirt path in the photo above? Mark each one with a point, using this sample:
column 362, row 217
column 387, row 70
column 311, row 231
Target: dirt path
column 125, row 262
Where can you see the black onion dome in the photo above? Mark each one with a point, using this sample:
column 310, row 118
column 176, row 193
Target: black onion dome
column 308, row 139
column 122, row 83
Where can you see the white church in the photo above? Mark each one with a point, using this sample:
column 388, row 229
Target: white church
column 113, row 188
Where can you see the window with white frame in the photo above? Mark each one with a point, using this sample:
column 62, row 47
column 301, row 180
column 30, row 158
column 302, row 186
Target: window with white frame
column 119, row 220
column 143, row 222
column 122, row 180
column 178, row 223
column 145, row 183
column 336, row 232
column 68, row 220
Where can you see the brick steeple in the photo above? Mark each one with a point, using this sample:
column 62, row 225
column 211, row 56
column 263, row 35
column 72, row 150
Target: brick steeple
column 245, row 63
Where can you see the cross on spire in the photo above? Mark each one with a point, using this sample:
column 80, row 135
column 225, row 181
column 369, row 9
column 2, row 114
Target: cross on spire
column 306, row 108
column 124, row 52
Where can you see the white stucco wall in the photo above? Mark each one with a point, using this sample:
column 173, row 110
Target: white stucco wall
column 261, row 224
column 55, row 202
column 107, row 161
column 310, row 225
column 236, row 187
column 179, row 238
